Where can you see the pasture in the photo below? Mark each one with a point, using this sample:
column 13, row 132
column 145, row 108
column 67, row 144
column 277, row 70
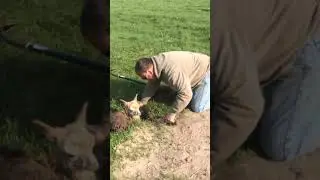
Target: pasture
column 36, row 86
column 145, row 28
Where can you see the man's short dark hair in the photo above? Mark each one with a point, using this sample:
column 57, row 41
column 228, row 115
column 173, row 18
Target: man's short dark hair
column 143, row 64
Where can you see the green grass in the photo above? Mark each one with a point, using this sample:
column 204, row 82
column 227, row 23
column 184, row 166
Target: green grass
column 35, row 86
column 147, row 27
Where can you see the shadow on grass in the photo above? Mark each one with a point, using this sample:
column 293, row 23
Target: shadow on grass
column 44, row 88
column 155, row 109
column 124, row 89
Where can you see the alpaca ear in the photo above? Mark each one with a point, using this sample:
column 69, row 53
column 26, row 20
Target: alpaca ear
column 136, row 98
column 51, row 133
column 125, row 103
column 81, row 119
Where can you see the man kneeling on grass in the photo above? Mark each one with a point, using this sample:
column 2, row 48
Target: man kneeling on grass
column 187, row 73
column 266, row 62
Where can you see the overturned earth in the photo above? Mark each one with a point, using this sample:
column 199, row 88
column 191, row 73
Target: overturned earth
column 155, row 151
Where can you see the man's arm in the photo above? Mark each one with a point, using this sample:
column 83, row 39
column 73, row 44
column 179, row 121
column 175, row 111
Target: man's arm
column 237, row 97
column 150, row 89
column 181, row 83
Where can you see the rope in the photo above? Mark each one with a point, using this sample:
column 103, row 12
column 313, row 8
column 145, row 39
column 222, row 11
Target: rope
column 126, row 78
column 72, row 58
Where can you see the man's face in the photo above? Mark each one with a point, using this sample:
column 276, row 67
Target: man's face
column 148, row 74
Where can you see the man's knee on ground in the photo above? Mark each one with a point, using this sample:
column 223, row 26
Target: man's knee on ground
column 277, row 152
column 280, row 156
column 196, row 107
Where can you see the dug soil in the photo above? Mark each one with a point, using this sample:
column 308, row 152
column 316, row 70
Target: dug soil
column 167, row 152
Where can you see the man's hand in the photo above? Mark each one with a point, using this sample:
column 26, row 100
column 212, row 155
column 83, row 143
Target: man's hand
column 142, row 103
column 170, row 118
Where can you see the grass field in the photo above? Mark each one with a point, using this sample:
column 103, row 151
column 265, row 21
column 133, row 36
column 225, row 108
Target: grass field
column 144, row 28
column 35, row 86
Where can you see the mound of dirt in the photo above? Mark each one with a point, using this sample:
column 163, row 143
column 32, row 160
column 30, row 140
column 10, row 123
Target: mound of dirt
column 167, row 152
column 119, row 121
column 16, row 165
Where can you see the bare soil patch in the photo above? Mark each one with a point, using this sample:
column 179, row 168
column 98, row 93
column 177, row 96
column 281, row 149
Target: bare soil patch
column 167, row 152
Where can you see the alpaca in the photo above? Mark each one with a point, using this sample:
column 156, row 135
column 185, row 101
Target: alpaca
column 121, row 120
column 75, row 143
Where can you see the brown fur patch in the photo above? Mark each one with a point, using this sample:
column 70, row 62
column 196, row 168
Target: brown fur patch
column 119, row 121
